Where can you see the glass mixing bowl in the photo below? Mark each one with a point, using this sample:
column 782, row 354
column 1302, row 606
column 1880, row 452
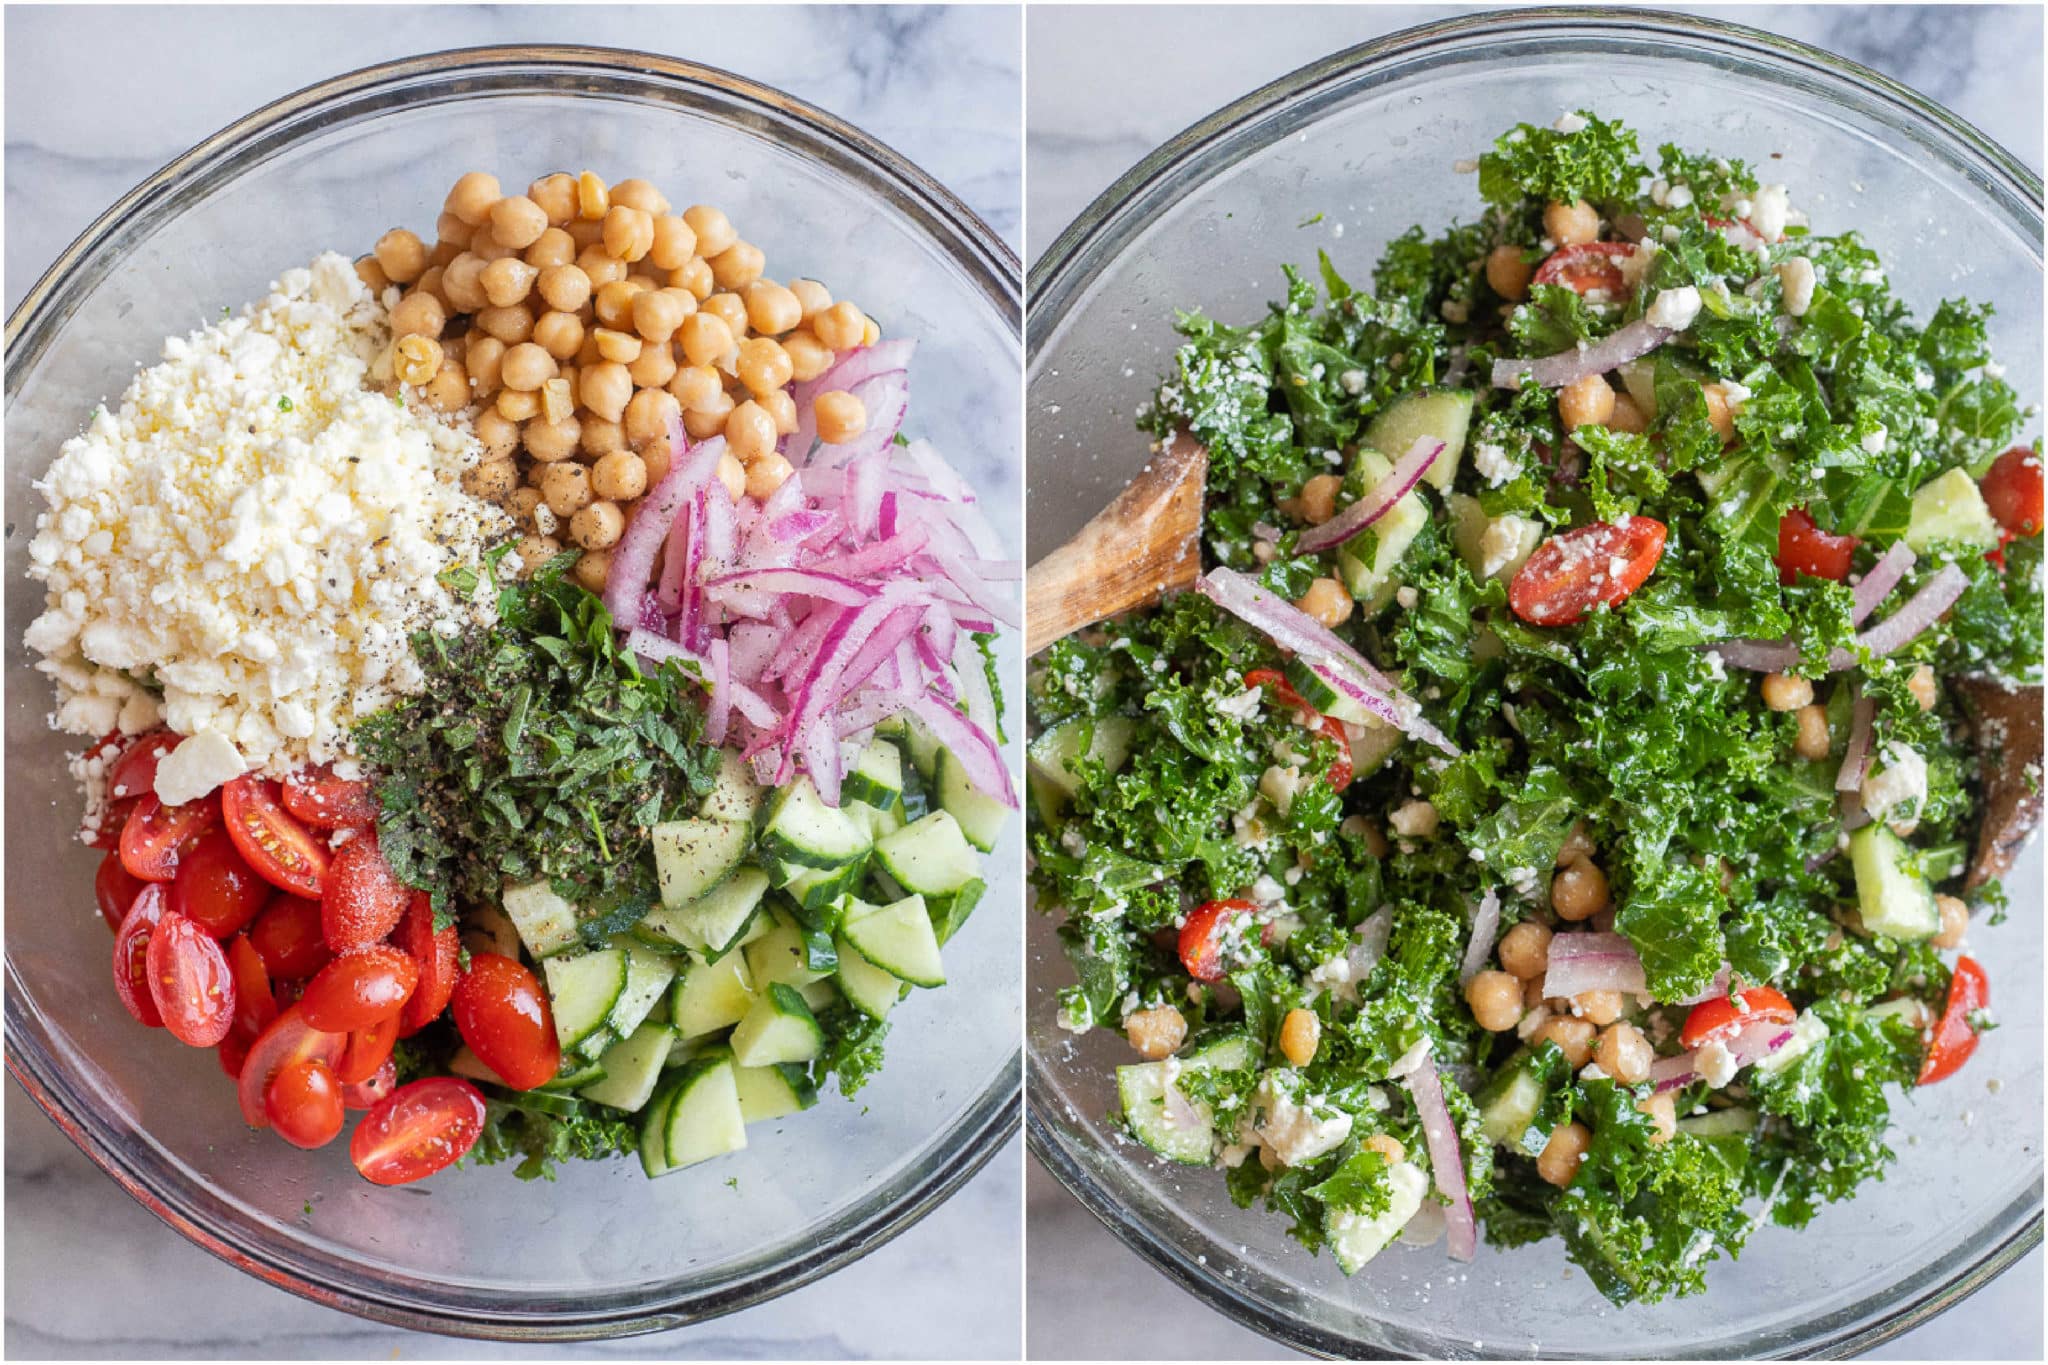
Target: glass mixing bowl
column 1368, row 139
column 602, row 1251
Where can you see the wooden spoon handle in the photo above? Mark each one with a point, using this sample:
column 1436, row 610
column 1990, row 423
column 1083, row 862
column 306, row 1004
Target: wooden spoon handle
column 1146, row 543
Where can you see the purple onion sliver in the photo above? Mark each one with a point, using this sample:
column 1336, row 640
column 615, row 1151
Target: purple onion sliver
column 1378, row 500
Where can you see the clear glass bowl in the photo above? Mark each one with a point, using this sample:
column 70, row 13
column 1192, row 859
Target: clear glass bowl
column 1368, row 138
column 602, row 1251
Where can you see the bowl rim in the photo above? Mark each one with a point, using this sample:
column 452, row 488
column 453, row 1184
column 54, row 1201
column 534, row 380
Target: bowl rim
column 993, row 1117
column 1061, row 273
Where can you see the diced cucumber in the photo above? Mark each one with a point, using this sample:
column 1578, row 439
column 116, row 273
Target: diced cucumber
column 734, row 795
column 897, row 938
column 1316, row 690
column 877, row 821
column 632, row 1068
column 873, row 991
column 1443, row 416
column 549, row 1103
column 654, row 1131
column 1950, row 509
column 1894, row 900
column 693, row 856
column 769, row 1092
column 782, row 956
column 582, row 992
column 576, row 1071
column 1373, row 745
column 1808, row 1029
column 710, row 996
column 1187, row 1133
column 876, row 777
column 815, row 887
column 717, row 922
column 1492, row 547
column 922, row 746
column 779, row 1027
column 1720, row 1123
column 648, row 973
column 1371, row 578
column 1107, row 740
column 951, row 910
column 801, row 828
column 546, row 923
column 980, row 815
column 471, row 1067
column 930, row 856
column 488, row 929
column 1356, row 1238
column 704, row 1119
column 1639, row 377
column 1509, row 1100
column 821, row 994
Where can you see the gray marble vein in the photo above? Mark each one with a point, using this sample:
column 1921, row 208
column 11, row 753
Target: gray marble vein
column 1092, row 111
column 90, row 1274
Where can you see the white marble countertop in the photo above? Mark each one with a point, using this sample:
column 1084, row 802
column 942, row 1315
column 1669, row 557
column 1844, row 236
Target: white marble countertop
column 89, row 1273
column 1091, row 112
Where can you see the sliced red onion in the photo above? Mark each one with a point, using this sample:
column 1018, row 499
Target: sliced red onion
column 1485, row 927
column 1265, row 531
column 1637, row 339
column 1757, row 656
column 1716, row 988
column 1905, row 625
column 978, row 755
column 1446, row 1157
column 633, row 559
column 825, row 587
column 1875, row 586
column 1378, row 500
column 1856, row 757
column 1593, row 962
column 849, row 369
column 719, row 709
column 997, row 602
column 1747, row 1045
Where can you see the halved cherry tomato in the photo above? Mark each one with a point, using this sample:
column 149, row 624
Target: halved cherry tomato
column 502, row 1013
column 288, row 1041
column 435, row 952
column 365, row 1094
column 216, row 888
column 1723, row 1016
column 1586, row 267
column 156, row 835
column 287, row 936
column 1275, row 679
column 190, row 981
column 303, row 1104
column 113, row 823
column 1339, row 774
column 255, row 1004
column 2012, row 490
column 1803, row 548
column 135, row 771
column 369, row 1047
column 131, row 955
column 1201, row 933
column 415, row 1131
column 1954, row 1037
column 284, row 852
column 325, row 801
column 116, row 889
column 363, row 900
column 233, row 1051
column 1573, row 572
column 360, row 987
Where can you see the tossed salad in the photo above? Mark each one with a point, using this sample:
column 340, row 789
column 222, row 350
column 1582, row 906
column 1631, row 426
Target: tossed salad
column 1561, row 809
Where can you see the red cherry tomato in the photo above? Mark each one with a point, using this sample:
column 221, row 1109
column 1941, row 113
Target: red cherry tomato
column 1201, row 937
column 2012, row 490
column 1573, row 572
column 303, row 1104
column 502, row 1013
column 435, row 952
column 216, row 888
column 287, row 936
column 364, row 899
column 365, row 1094
column 1803, row 548
column 255, row 1004
column 1339, row 775
column 415, row 1131
column 156, row 835
column 1275, row 679
column 359, row 988
column 131, row 955
column 324, row 801
column 288, row 1041
column 134, row 773
column 369, row 1048
column 1955, row 1038
column 1724, row 1015
column 233, row 1052
column 116, row 889
column 190, row 981
column 1587, row 267
column 284, row 852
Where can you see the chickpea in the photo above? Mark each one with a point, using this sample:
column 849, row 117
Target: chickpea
column 462, row 283
column 812, row 296
column 1327, row 601
column 593, row 199
column 782, row 408
column 655, row 366
column 618, row 476
column 599, row 268
column 1525, row 950
column 1577, row 844
column 1719, row 415
column 418, row 315
column 559, row 334
column 714, row 230
column 537, row 550
column 601, row 438
column 1955, row 922
column 657, row 313
column 628, row 233
column 485, row 357
column 1300, row 1034
column 449, row 228
column 598, row 526
column 499, row 436
column 622, row 347
column 1318, row 501
column 771, row 308
column 738, row 266
column 648, row 414
column 763, row 365
column 486, row 247
column 870, row 332
column 1627, row 417
column 550, row 441
column 657, row 458
column 1812, row 741
column 516, row 405
column 1663, row 1112
column 1508, row 272
column 518, row 222
column 808, row 357
column 1573, row 224
column 1563, row 1153
column 372, row 274
column 564, row 288
column 507, row 281
column 1625, row 1054
column 695, row 385
column 1532, row 992
column 565, row 486
column 1598, row 1008
column 1587, row 401
column 429, row 281
column 1389, row 1147
column 593, row 568
column 448, row 390
column 509, row 325
column 767, row 474
column 527, row 366
column 1923, row 687
column 605, row 389
column 705, row 338
column 615, row 303
column 524, row 504
column 749, row 432
column 639, row 194
column 694, row 278
column 1574, row 1038
column 733, row 476
column 706, row 422
column 1786, row 691
column 734, row 310
column 1157, row 1032
column 552, row 248
column 840, row 416
column 841, row 327
column 471, row 197
column 556, row 196
column 402, row 254
column 1496, row 1000
column 673, row 245
column 416, row 359
column 490, row 480
column 1578, row 890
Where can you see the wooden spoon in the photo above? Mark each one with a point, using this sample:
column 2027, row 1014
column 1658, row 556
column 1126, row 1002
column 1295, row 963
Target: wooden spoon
column 1145, row 544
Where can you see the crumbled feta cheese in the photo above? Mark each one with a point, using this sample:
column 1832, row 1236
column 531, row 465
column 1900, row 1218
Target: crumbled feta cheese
column 1876, row 439
column 1716, row 1065
column 1352, row 382
column 1770, row 209
column 1900, row 783
column 1294, row 1132
column 1495, row 463
column 1278, row 785
column 1407, row 597
column 1413, row 819
column 1795, row 277
column 1679, row 197
column 1243, row 706
column 1675, row 308
column 196, row 767
column 1569, row 123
